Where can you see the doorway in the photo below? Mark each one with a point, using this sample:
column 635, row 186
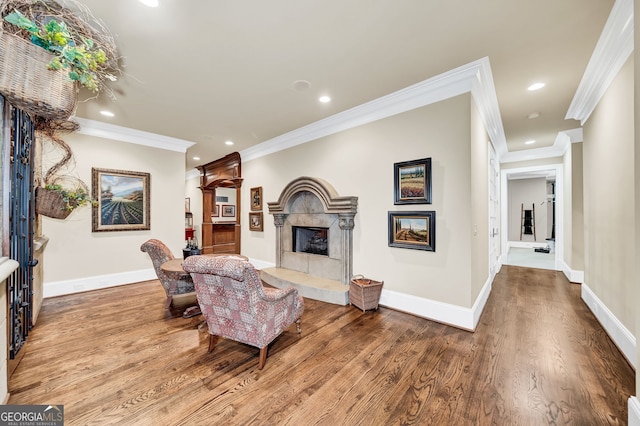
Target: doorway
column 527, row 250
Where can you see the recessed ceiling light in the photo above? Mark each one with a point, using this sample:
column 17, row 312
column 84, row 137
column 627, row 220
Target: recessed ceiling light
column 535, row 86
column 196, row 158
column 530, row 142
column 324, row 99
column 533, row 115
column 107, row 113
column 229, row 143
column 150, row 3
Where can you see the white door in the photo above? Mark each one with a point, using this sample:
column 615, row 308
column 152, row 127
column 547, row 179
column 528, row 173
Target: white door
column 494, row 209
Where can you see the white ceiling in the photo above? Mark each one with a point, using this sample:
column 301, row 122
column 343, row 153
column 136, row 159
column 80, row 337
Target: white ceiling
column 208, row 71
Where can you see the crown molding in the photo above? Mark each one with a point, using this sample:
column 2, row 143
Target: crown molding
column 484, row 94
column 474, row 77
column 125, row 134
column 560, row 146
column 611, row 52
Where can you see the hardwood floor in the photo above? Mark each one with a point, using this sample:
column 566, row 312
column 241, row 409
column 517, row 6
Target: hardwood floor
column 538, row 356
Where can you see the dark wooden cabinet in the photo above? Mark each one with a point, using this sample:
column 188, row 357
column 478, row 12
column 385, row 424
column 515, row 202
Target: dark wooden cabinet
column 224, row 238
column 220, row 237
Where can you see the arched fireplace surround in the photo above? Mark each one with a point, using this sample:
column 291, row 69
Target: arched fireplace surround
column 312, row 203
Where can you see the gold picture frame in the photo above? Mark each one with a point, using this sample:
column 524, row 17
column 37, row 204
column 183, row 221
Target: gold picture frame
column 123, row 200
column 256, row 221
column 256, row 198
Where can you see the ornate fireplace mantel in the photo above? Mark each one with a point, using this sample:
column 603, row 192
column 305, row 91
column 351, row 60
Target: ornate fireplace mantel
column 309, row 201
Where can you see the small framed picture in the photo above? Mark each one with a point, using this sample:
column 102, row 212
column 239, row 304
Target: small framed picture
column 256, row 198
column 413, row 230
column 255, row 221
column 215, row 212
column 187, row 204
column 412, row 182
column 228, row 210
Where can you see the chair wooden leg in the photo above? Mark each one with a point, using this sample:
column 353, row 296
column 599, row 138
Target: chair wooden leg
column 168, row 302
column 263, row 357
column 298, row 328
column 213, row 341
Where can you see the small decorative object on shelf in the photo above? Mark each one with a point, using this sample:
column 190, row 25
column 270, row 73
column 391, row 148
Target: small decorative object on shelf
column 364, row 293
column 191, row 249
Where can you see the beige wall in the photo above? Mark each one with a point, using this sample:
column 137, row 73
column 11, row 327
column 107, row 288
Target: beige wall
column 359, row 162
column 609, row 219
column 75, row 252
column 573, row 202
column 479, row 203
column 527, row 193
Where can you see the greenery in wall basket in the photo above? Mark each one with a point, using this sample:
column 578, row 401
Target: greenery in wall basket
column 81, row 45
column 72, row 199
column 56, row 202
column 58, row 192
column 81, row 61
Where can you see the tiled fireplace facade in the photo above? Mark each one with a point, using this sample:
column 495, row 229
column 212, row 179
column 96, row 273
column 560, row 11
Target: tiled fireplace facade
column 328, row 219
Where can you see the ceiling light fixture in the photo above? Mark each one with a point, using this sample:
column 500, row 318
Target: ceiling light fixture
column 533, row 115
column 107, row 113
column 535, row 86
column 150, row 3
column 530, row 142
column 301, row 85
column 324, row 99
column 196, row 158
column 229, row 143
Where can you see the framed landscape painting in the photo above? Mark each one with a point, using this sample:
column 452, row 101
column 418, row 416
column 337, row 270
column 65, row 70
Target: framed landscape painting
column 413, row 230
column 122, row 200
column 412, row 182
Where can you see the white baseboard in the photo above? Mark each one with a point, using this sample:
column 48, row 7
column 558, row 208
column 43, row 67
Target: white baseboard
column 634, row 411
column 572, row 275
column 457, row 316
column 526, row 244
column 622, row 337
column 59, row 288
column 261, row 264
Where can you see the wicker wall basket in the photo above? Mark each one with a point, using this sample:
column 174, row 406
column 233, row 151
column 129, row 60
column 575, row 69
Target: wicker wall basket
column 27, row 83
column 51, row 204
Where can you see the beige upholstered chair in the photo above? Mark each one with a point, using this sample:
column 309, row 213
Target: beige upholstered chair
column 173, row 283
column 236, row 306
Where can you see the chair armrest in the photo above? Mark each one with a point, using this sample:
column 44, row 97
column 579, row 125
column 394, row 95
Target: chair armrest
column 276, row 294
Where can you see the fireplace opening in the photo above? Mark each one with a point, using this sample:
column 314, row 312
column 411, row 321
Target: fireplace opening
column 312, row 240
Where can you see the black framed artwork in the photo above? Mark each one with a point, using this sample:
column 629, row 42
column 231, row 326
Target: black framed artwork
column 413, row 230
column 412, row 182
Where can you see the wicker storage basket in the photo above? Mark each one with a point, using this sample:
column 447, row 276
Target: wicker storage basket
column 27, row 83
column 364, row 293
column 51, row 204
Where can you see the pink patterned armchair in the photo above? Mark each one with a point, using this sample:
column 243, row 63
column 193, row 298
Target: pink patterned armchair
column 172, row 283
column 236, row 306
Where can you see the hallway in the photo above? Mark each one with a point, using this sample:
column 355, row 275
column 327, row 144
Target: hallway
column 528, row 257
